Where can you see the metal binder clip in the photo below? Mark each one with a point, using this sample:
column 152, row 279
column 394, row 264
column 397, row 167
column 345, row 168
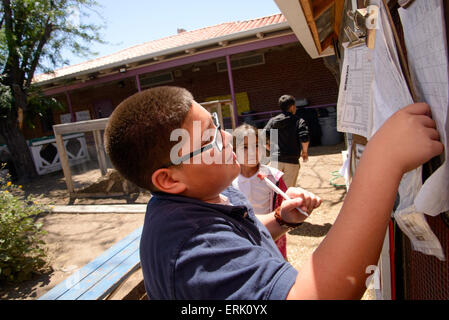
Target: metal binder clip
column 404, row 3
column 365, row 23
column 355, row 36
column 354, row 40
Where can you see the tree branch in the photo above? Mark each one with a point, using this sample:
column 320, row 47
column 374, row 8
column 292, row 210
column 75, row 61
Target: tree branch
column 12, row 62
column 8, row 25
column 37, row 54
column 8, row 14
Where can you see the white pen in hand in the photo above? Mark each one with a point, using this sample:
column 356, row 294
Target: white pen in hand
column 278, row 191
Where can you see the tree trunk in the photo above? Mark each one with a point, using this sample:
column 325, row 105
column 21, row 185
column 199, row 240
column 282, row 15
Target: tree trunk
column 18, row 148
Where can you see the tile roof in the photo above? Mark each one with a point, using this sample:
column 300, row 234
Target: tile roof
column 178, row 40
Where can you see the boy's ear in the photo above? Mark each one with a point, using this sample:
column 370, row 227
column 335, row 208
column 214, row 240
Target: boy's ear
column 164, row 180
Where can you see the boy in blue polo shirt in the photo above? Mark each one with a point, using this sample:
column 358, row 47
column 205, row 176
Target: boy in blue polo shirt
column 201, row 239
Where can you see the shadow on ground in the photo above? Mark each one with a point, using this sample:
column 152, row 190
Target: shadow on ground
column 26, row 289
column 311, row 230
column 326, row 150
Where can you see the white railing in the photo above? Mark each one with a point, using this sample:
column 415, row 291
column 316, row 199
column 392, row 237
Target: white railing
column 76, row 155
column 94, row 126
column 44, row 164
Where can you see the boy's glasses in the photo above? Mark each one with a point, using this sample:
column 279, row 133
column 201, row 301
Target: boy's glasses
column 217, row 142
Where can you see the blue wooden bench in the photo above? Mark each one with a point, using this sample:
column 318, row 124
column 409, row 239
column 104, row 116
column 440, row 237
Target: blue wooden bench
column 102, row 275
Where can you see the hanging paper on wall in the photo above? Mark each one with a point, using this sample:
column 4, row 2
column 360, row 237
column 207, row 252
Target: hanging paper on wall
column 425, row 39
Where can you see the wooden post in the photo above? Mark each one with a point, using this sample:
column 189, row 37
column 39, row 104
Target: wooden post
column 64, row 163
column 94, row 126
column 100, row 152
column 220, row 115
column 233, row 115
column 218, row 104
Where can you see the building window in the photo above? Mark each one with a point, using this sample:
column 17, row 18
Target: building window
column 154, row 80
column 242, row 62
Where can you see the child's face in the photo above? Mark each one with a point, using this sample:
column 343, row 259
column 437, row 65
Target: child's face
column 247, row 152
column 205, row 178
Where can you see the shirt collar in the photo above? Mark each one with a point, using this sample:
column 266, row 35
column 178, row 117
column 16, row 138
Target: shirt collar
column 230, row 210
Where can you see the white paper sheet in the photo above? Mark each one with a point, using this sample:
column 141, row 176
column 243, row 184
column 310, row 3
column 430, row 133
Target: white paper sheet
column 354, row 97
column 390, row 91
column 372, row 88
column 344, row 169
column 425, row 38
column 421, row 236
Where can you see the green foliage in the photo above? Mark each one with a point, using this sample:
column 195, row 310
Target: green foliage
column 40, row 29
column 38, row 105
column 21, row 246
column 5, row 100
column 33, row 37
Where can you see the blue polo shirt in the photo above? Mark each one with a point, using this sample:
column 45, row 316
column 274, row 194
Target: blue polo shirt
column 192, row 249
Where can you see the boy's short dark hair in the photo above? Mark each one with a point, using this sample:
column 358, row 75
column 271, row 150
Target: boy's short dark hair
column 137, row 136
column 286, row 101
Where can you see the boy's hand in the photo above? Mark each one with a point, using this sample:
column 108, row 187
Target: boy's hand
column 408, row 138
column 302, row 199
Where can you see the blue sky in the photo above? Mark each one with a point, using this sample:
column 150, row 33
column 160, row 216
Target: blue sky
column 132, row 22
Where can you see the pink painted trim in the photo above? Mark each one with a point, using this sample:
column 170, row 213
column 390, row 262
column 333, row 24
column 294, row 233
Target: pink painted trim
column 138, row 83
column 264, row 43
column 231, row 86
column 69, row 102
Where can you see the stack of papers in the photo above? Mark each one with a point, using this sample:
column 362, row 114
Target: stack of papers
column 373, row 87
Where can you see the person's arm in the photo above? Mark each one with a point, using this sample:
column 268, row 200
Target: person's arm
column 337, row 268
column 303, row 137
column 301, row 198
column 305, row 151
column 268, row 220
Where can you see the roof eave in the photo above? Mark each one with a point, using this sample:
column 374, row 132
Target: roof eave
column 294, row 14
column 195, row 45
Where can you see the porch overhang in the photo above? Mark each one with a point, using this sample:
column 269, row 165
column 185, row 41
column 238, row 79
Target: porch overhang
column 315, row 23
column 286, row 36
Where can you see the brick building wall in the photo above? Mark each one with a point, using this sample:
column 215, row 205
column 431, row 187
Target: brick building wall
column 287, row 70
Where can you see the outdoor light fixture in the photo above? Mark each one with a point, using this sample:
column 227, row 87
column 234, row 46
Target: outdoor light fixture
column 122, row 70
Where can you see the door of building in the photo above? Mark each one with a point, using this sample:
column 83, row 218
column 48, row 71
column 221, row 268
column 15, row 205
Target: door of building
column 103, row 108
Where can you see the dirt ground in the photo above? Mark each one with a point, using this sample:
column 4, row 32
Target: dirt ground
column 73, row 240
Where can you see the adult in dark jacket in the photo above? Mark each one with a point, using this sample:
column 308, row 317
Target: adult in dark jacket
column 292, row 140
